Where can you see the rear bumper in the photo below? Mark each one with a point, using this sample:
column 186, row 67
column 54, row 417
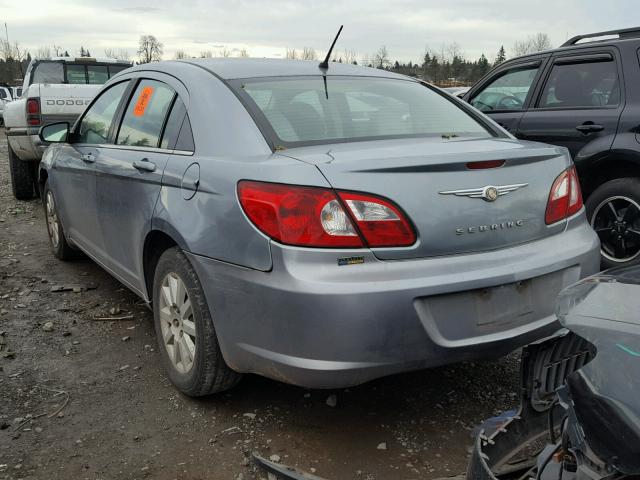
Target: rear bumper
column 26, row 143
column 313, row 323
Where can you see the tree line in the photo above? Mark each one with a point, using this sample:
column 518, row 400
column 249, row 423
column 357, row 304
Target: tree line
column 447, row 66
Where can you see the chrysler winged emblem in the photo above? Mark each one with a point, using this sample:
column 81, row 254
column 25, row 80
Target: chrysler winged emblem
column 490, row 193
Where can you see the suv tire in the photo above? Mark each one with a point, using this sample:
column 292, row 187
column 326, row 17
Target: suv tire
column 613, row 210
column 184, row 329
column 22, row 178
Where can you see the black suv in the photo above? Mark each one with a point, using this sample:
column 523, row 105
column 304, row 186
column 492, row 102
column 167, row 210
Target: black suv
column 585, row 96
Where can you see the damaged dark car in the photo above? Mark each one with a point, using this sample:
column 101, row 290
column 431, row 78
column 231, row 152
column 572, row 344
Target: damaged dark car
column 579, row 416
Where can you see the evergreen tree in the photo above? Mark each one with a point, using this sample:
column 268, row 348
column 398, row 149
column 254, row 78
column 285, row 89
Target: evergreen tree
column 501, row 57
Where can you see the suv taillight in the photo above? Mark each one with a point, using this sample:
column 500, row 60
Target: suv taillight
column 316, row 217
column 565, row 198
column 33, row 112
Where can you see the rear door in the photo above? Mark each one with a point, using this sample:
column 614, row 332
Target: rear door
column 505, row 94
column 579, row 103
column 74, row 177
column 129, row 175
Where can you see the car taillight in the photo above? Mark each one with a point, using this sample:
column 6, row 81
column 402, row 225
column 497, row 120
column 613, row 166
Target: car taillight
column 565, row 198
column 33, row 111
column 316, row 217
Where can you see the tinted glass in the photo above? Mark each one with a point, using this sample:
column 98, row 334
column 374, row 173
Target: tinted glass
column 97, row 74
column 356, row 108
column 185, row 139
column 507, row 92
column 48, row 72
column 94, row 127
column 144, row 118
column 113, row 69
column 174, row 122
column 76, row 74
column 581, row 85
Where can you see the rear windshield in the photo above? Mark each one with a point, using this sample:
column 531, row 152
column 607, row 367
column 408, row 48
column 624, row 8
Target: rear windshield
column 74, row 73
column 301, row 111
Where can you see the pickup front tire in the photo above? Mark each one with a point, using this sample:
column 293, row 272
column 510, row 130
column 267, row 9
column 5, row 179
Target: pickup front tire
column 22, row 176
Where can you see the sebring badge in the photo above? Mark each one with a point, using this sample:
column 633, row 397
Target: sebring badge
column 489, row 193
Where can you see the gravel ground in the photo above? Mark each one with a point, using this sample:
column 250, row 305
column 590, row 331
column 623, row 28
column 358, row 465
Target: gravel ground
column 87, row 399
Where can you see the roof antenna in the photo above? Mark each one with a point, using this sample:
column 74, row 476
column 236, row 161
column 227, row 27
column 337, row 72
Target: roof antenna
column 325, row 63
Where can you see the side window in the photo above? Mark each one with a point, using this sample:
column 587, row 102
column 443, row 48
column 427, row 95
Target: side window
column 94, row 126
column 508, row 92
column 145, row 115
column 185, row 139
column 76, row 74
column 574, row 85
column 114, row 69
column 97, row 74
column 174, row 122
column 48, row 72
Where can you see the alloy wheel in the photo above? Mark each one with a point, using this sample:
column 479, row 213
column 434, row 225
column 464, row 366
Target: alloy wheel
column 52, row 220
column 616, row 220
column 177, row 323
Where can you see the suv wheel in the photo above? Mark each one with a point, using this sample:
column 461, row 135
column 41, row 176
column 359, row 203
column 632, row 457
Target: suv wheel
column 59, row 246
column 613, row 210
column 22, row 177
column 184, row 329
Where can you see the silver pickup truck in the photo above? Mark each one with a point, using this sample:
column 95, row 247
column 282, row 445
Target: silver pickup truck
column 54, row 90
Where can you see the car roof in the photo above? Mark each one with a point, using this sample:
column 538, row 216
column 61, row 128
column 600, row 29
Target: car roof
column 236, row 68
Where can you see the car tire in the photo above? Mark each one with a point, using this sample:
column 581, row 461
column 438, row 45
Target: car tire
column 57, row 239
column 184, row 329
column 613, row 210
column 22, row 178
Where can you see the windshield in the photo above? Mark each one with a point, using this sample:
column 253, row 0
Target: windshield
column 300, row 111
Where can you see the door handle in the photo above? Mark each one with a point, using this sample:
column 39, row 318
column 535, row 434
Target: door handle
column 588, row 128
column 144, row 165
column 88, row 158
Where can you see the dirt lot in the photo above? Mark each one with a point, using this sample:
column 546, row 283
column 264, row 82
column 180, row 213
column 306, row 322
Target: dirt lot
column 118, row 416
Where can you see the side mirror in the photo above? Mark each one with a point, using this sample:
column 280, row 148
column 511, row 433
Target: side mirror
column 54, row 132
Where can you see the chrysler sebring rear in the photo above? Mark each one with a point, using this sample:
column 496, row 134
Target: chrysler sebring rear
column 322, row 227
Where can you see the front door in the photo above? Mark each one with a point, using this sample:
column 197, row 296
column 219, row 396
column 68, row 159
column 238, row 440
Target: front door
column 76, row 188
column 505, row 94
column 578, row 106
column 128, row 179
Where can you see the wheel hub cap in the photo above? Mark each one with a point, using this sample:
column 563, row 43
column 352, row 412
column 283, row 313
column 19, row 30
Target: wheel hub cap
column 617, row 222
column 177, row 323
column 52, row 220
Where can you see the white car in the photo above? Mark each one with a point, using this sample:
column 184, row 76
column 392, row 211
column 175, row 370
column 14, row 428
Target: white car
column 54, row 90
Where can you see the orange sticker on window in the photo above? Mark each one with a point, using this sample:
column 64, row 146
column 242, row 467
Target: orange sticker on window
column 143, row 101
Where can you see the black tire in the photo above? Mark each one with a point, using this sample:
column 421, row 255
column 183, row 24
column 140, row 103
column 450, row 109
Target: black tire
column 22, row 178
column 57, row 239
column 208, row 373
column 619, row 231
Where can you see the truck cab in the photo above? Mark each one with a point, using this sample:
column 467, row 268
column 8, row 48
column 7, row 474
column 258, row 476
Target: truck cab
column 54, row 90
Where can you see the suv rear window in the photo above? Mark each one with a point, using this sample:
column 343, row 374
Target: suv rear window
column 300, row 111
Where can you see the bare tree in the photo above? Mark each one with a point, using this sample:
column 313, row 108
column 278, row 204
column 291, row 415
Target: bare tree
column 309, row 53
column 350, row 56
column 43, row 52
column 149, row 49
column 223, row 52
column 381, row 58
column 181, row 55
column 291, row 54
column 366, row 61
column 540, row 42
column 534, row 43
column 58, row 51
column 243, row 53
column 206, row 54
column 120, row 54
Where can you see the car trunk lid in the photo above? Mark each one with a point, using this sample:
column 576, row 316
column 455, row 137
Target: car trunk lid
column 430, row 180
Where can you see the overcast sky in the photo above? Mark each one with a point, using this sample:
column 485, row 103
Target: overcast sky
column 267, row 27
